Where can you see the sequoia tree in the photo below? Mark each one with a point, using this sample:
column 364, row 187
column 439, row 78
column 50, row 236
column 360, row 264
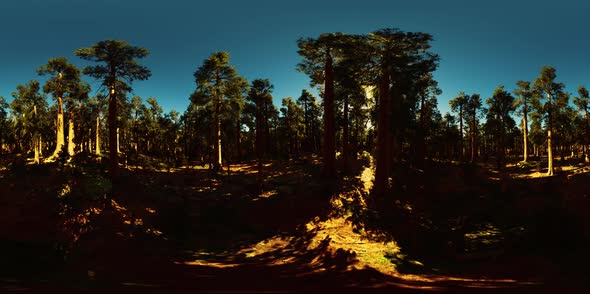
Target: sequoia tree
column 216, row 81
column 117, row 68
column 63, row 81
column 524, row 95
column 546, row 88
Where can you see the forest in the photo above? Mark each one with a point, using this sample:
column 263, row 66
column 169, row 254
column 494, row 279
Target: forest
column 366, row 187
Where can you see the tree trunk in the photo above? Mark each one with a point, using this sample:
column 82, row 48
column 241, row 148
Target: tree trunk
column 525, row 132
column 381, row 185
column 549, row 129
column 308, row 128
column 113, row 153
column 118, row 149
column 89, row 141
column 586, row 158
column 218, row 160
column 36, row 149
column 97, row 140
column 473, row 135
column 60, row 134
column 71, row 144
column 462, row 149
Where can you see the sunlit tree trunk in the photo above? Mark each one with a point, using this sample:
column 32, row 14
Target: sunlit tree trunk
column 71, row 144
column 89, row 141
column 60, row 136
column 118, row 149
column 525, row 132
column 36, row 140
column 36, row 149
column 97, row 140
column 113, row 153
column 587, row 127
column 218, row 160
column 549, row 130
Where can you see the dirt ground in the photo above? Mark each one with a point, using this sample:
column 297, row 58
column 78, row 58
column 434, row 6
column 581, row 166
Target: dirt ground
column 189, row 230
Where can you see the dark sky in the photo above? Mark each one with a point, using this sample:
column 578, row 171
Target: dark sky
column 481, row 43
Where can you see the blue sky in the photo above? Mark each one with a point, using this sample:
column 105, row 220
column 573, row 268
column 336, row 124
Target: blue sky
column 481, row 43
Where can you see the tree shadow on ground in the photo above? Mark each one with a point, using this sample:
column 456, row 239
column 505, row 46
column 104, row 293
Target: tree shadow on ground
column 462, row 220
column 192, row 230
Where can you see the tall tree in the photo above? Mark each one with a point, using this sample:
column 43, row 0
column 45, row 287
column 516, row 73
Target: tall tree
column 215, row 80
column 397, row 59
column 458, row 105
column 311, row 118
column 524, row 94
column 451, row 134
column 500, row 108
column 233, row 108
column 582, row 102
column 473, row 108
column 97, row 105
column 258, row 96
column 318, row 63
column 63, row 82
column 545, row 87
column 292, row 125
column 74, row 103
column 117, row 68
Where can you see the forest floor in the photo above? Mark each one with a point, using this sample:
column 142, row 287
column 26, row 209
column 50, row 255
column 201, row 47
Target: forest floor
column 459, row 228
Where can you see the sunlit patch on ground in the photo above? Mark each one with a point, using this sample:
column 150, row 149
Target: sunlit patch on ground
column 267, row 194
column 136, row 222
column 335, row 244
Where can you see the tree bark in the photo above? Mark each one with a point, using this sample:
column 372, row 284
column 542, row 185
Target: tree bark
column 60, row 134
column 36, row 149
column 586, row 159
column 381, row 185
column 71, row 144
column 113, row 154
column 97, row 140
column 36, row 140
column 118, row 149
column 462, row 149
column 549, row 130
column 473, row 135
column 218, row 160
column 525, row 131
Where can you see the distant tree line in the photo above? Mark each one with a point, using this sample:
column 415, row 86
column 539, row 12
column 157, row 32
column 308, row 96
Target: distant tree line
column 377, row 96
